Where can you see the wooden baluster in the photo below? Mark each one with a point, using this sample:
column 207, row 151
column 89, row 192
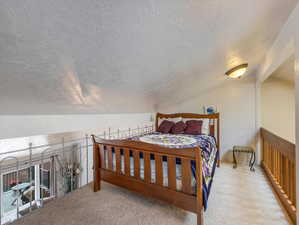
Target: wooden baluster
column 127, row 161
column 186, row 176
column 110, row 162
column 268, row 157
column 292, row 193
column 171, row 172
column 287, row 177
column 293, row 179
column 102, row 155
column 290, row 182
column 147, row 167
column 290, row 178
column 118, row 160
column 136, row 164
column 282, row 178
column 159, row 169
column 278, row 166
column 273, row 160
column 283, row 174
column 266, row 153
column 276, row 163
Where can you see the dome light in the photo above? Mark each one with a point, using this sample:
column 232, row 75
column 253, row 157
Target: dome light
column 237, row 71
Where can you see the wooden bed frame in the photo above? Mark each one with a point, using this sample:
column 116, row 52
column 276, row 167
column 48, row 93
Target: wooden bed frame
column 186, row 198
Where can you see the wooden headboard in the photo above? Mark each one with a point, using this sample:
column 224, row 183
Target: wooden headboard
column 213, row 118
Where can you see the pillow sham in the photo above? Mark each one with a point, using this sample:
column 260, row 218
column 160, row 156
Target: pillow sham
column 194, row 127
column 165, row 126
column 178, row 128
column 175, row 120
column 205, row 125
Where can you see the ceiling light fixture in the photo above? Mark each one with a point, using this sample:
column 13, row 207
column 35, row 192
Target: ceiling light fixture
column 237, row 71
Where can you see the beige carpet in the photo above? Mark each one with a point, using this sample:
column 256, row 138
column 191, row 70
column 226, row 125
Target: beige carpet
column 239, row 197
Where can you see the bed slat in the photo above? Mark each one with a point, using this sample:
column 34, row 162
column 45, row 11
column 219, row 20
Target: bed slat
column 171, row 173
column 110, row 162
column 102, row 155
column 118, row 160
column 159, row 169
column 186, row 176
column 136, row 164
column 147, row 167
column 127, row 161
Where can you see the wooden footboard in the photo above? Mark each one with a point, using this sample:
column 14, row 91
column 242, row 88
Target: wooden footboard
column 108, row 155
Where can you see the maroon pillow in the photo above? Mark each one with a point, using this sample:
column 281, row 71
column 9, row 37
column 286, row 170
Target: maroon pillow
column 193, row 127
column 178, row 128
column 165, row 126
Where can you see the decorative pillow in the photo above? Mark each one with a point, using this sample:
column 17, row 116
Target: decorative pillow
column 165, row 126
column 175, row 120
column 178, row 128
column 205, row 129
column 194, row 127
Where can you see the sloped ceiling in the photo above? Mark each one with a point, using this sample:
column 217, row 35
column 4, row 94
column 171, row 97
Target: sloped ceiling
column 286, row 71
column 102, row 56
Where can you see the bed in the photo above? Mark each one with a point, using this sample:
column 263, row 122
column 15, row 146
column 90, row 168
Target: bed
column 174, row 168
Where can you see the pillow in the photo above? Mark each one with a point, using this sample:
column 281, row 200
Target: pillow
column 194, row 127
column 205, row 125
column 165, row 126
column 178, row 128
column 175, row 120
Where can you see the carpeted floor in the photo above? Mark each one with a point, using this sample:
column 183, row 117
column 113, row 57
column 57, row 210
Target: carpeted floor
column 239, row 197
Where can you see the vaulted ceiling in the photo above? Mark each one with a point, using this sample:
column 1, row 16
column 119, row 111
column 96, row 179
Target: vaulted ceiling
column 102, row 56
column 286, row 71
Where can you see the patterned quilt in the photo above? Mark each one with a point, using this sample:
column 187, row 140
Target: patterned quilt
column 205, row 142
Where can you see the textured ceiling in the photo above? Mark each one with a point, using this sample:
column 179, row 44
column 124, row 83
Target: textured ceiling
column 102, row 56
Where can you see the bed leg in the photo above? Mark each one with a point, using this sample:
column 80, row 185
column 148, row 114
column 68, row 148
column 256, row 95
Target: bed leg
column 97, row 183
column 200, row 218
column 218, row 163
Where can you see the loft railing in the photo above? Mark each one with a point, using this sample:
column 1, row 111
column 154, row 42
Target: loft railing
column 35, row 174
column 278, row 162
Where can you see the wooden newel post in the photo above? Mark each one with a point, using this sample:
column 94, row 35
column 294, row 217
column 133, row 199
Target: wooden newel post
column 96, row 166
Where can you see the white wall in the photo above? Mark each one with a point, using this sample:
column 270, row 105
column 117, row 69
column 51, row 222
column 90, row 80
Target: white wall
column 29, row 125
column 278, row 107
column 236, row 103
